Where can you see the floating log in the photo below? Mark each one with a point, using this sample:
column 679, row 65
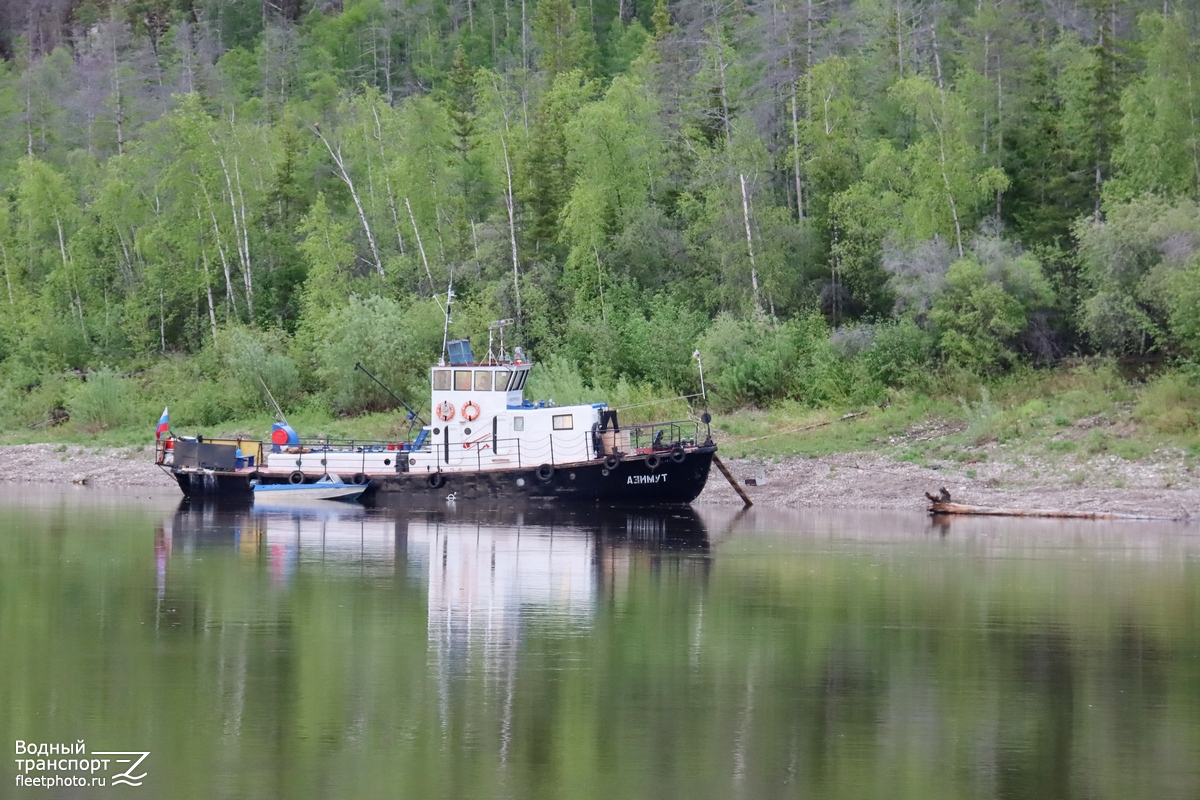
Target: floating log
column 732, row 481
column 941, row 504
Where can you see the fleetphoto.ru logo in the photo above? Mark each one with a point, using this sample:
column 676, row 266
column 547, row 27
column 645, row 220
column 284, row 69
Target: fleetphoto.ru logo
column 49, row 764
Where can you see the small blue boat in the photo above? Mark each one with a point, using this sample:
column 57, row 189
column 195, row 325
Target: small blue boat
column 328, row 488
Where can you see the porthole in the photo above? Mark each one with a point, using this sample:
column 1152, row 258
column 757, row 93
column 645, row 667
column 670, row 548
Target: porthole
column 466, row 431
column 520, row 481
column 437, row 431
column 571, row 476
column 387, row 462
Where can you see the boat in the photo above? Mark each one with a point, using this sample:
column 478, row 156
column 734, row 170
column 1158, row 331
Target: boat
column 485, row 440
column 329, row 488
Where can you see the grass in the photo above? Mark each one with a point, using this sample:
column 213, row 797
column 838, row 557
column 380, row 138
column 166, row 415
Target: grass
column 1085, row 412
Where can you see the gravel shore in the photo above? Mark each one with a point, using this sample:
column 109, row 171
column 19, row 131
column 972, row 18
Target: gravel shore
column 839, row 481
column 865, row 481
column 66, row 464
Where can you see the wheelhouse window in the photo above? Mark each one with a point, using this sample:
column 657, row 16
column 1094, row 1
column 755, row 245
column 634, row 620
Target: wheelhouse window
column 483, row 380
column 441, row 380
column 518, row 381
column 564, row 422
column 518, row 423
column 502, row 376
column 462, row 380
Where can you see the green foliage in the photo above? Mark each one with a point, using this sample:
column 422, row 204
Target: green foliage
column 900, row 354
column 560, row 380
column 104, row 400
column 1136, row 264
column 1159, row 149
column 225, row 191
column 396, row 342
column 565, row 42
column 259, row 368
column 758, row 360
column 988, row 301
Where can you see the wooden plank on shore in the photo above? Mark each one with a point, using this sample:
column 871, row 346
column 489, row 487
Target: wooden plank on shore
column 732, row 481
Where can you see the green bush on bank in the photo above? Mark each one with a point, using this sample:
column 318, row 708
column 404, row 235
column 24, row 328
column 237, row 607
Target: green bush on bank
column 104, row 400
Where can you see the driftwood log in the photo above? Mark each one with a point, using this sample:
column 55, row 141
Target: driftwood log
column 941, row 504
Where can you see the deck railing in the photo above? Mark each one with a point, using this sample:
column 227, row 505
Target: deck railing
column 659, row 437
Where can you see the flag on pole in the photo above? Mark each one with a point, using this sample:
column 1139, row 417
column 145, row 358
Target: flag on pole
column 163, row 426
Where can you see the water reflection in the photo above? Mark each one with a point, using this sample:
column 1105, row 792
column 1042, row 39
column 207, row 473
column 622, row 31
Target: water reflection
column 474, row 651
column 485, row 568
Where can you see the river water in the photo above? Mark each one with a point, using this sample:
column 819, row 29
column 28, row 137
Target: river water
column 487, row 652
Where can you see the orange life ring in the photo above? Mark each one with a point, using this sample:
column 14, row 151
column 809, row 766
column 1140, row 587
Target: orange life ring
column 472, row 414
column 445, row 411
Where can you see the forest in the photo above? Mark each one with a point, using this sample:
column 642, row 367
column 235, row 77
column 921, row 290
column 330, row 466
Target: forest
column 831, row 200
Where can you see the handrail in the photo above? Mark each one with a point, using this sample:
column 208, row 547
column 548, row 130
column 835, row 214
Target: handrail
column 526, row 450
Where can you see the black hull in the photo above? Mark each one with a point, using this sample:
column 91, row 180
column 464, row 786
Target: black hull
column 631, row 482
column 218, row 485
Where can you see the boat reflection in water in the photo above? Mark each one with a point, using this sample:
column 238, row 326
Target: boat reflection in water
column 484, row 567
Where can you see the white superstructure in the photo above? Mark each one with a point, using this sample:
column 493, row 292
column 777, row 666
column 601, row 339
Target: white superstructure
column 481, row 421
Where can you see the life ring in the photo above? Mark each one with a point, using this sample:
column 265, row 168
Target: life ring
column 653, row 462
column 545, row 472
column 678, row 455
column 445, row 411
column 611, row 461
column 296, row 478
column 470, row 411
column 436, row 480
column 359, row 479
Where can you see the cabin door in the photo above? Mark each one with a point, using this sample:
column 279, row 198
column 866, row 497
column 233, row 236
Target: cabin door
column 501, row 434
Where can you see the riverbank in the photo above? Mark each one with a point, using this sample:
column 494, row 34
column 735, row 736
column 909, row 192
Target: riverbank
column 67, row 464
column 858, row 480
column 867, row 481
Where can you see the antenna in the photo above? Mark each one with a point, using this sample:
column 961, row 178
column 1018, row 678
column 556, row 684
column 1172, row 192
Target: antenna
column 278, row 410
column 446, row 327
column 497, row 325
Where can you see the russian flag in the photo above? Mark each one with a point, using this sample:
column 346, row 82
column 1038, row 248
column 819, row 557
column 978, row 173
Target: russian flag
column 163, row 426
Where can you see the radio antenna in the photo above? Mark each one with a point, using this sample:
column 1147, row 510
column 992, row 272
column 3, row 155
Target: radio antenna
column 497, row 325
column 446, row 313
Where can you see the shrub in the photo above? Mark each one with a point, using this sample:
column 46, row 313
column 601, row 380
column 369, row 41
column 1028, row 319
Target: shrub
column 253, row 358
column 988, row 300
column 757, row 359
column 397, row 343
column 900, row 354
column 560, row 380
column 104, row 400
column 28, row 396
column 1170, row 404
